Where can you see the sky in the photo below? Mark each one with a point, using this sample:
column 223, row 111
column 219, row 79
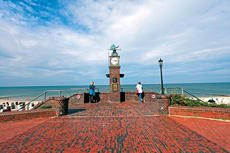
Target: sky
column 66, row 42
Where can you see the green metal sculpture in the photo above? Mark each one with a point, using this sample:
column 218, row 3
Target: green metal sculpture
column 114, row 48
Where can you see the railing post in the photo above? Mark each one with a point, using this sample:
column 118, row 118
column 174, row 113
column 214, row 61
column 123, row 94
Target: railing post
column 45, row 96
column 151, row 89
column 132, row 90
column 79, row 90
column 182, row 92
column 108, row 90
column 165, row 91
column 60, row 93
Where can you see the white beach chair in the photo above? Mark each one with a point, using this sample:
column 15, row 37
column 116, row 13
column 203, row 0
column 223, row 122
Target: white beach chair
column 217, row 101
column 226, row 101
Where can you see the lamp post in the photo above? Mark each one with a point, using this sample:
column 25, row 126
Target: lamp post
column 161, row 64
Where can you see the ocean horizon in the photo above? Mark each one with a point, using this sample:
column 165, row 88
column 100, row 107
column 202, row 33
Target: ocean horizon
column 196, row 89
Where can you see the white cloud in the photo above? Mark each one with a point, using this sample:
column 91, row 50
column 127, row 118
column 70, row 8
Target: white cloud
column 31, row 3
column 176, row 31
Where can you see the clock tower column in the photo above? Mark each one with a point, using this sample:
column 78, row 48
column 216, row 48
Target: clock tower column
column 114, row 76
column 114, row 72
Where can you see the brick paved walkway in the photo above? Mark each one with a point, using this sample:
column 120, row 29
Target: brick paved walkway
column 125, row 127
column 216, row 131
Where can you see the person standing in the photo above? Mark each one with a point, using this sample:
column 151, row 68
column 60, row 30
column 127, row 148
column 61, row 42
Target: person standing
column 139, row 88
column 91, row 91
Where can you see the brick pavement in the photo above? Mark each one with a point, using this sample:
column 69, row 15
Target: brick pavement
column 216, row 131
column 125, row 127
column 11, row 129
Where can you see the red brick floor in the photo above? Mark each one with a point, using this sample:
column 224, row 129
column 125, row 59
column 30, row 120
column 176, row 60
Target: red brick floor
column 125, row 127
column 216, row 131
column 11, row 129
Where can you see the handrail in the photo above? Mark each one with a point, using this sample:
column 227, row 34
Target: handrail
column 193, row 95
column 73, row 89
column 145, row 88
column 122, row 89
column 40, row 96
column 83, row 90
column 182, row 92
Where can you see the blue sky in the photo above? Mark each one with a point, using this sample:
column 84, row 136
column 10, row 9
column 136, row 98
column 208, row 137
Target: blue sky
column 65, row 42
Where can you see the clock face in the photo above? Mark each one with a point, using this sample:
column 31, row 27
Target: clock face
column 114, row 61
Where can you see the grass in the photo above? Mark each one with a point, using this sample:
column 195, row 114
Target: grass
column 45, row 107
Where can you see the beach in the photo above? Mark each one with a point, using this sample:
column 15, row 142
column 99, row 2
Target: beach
column 218, row 100
column 13, row 101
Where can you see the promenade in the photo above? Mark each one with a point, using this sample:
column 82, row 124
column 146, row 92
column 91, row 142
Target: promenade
column 125, row 127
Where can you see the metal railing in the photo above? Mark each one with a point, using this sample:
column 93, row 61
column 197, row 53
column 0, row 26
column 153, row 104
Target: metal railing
column 44, row 93
column 165, row 90
column 79, row 91
column 84, row 90
column 144, row 89
column 182, row 92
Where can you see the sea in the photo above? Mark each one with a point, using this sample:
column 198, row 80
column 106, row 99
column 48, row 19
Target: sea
column 195, row 89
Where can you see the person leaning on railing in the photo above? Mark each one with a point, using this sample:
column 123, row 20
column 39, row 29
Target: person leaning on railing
column 91, row 91
column 139, row 88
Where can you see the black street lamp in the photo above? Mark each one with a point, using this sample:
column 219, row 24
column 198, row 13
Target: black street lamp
column 161, row 64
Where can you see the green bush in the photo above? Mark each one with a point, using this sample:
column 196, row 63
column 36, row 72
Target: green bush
column 180, row 100
column 223, row 106
column 213, row 105
column 45, row 107
column 204, row 104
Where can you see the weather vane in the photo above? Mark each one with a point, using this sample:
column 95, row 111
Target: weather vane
column 114, row 49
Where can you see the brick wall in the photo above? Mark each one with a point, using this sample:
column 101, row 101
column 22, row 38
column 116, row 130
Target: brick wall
column 78, row 98
column 48, row 102
column 26, row 115
column 163, row 104
column 102, row 97
column 207, row 112
column 162, row 101
column 60, row 104
column 59, row 107
column 129, row 96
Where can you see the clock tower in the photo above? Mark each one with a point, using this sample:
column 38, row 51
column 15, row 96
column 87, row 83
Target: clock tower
column 114, row 75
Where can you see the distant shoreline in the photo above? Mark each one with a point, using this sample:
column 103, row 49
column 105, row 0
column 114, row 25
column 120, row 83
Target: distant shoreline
column 108, row 85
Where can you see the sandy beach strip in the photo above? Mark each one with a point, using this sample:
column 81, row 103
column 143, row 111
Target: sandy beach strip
column 13, row 101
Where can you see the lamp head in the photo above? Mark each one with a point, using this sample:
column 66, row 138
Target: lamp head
column 160, row 62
